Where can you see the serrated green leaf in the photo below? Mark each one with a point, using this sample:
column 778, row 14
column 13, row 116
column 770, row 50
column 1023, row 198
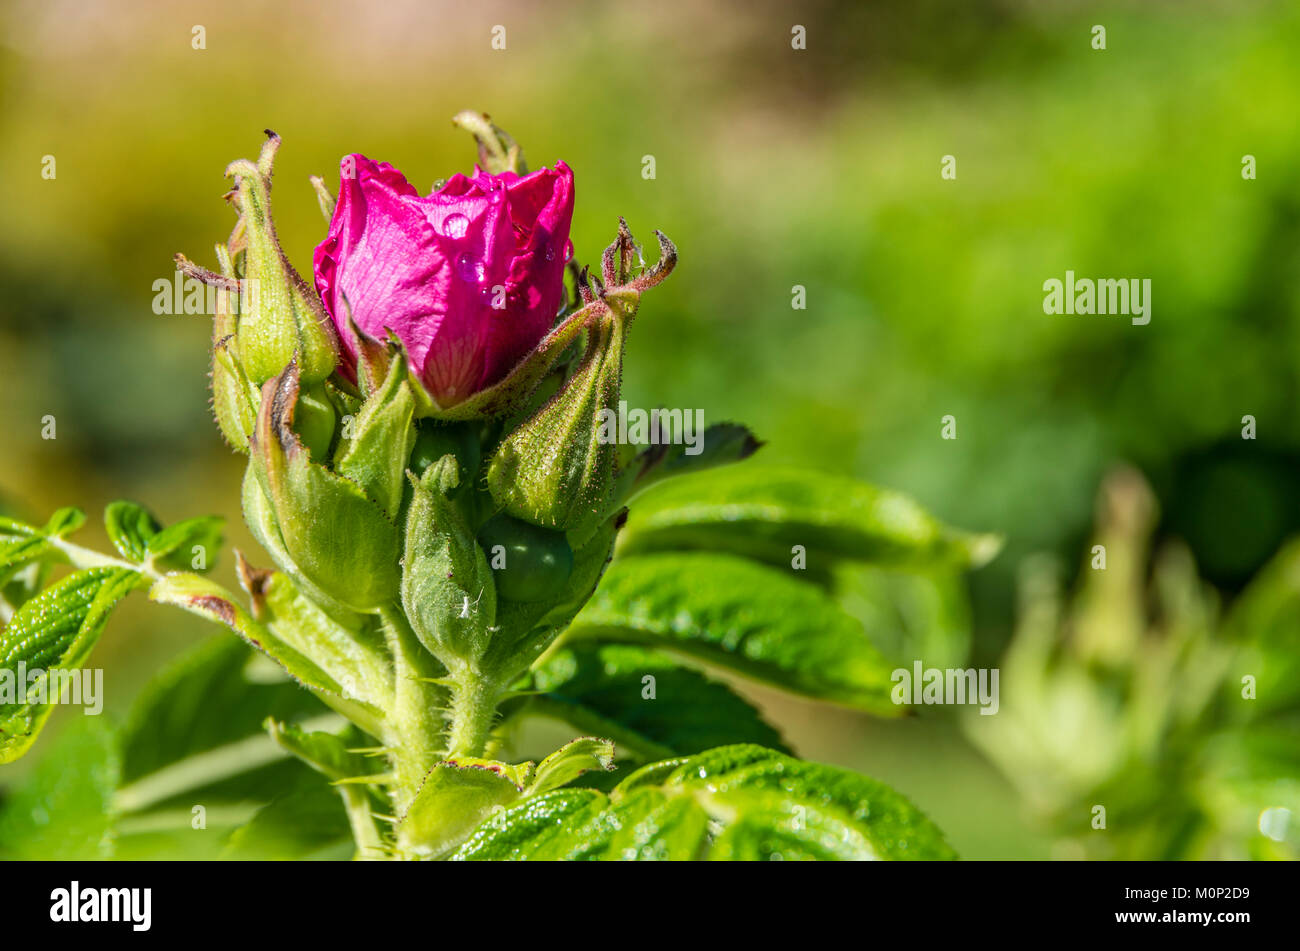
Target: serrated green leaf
column 54, row 632
column 770, row 826
column 16, row 552
column 743, row 616
column 173, row 547
column 64, row 522
column 738, row 802
column 129, row 527
column 894, row 827
column 602, row 689
column 538, row 828
column 765, row 513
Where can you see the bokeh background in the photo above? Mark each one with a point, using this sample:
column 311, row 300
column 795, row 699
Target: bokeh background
column 774, row 167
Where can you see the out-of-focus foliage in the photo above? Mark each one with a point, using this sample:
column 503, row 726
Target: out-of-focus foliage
column 1139, row 718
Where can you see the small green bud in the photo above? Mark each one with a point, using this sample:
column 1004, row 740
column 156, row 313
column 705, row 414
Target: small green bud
column 529, row 563
column 435, row 440
column 447, row 589
column 557, row 469
column 281, row 315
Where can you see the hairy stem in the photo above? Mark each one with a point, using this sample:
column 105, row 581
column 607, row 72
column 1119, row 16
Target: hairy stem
column 417, row 721
column 473, row 709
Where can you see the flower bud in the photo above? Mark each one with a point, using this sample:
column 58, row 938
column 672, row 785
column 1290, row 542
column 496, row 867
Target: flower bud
column 559, row 469
column 281, row 315
column 556, row 470
column 447, row 588
column 323, row 525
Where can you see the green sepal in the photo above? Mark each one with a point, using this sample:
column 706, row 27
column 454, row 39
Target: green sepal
column 448, row 591
column 281, row 316
column 557, row 469
column 234, row 397
column 345, row 645
column 332, row 532
column 377, row 444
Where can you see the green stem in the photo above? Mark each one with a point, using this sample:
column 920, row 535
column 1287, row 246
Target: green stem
column 473, row 708
column 357, row 804
column 416, row 721
column 86, row 558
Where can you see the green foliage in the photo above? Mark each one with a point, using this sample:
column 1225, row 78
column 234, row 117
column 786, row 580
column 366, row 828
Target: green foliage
column 766, row 513
column 744, row 616
column 603, row 689
column 736, row 802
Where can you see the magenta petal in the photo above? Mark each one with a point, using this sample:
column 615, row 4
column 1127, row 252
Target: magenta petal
column 431, row 268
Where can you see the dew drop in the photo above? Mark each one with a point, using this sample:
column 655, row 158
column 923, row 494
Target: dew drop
column 455, row 226
column 568, row 250
column 469, row 268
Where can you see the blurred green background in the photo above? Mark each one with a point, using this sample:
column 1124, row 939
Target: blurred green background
column 774, row 167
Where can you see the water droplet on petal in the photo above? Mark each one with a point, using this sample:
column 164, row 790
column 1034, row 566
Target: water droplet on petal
column 470, row 268
column 455, row 226
column 568, row 250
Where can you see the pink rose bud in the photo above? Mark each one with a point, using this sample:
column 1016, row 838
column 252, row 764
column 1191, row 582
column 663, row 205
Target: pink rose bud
column 469, row 278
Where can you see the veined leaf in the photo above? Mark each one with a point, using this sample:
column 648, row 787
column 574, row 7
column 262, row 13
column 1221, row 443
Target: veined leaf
column 744, row 616
column 175, row 546
column 130, row 526
column 738, row 802
column 53, row 633
column 894, row 827
column 602, row 689
column 766, row 513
